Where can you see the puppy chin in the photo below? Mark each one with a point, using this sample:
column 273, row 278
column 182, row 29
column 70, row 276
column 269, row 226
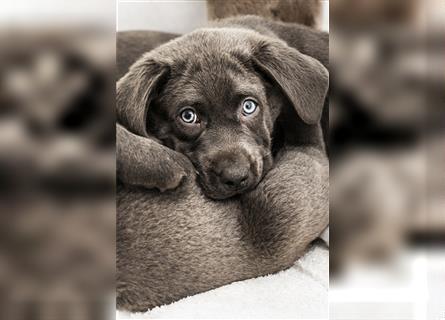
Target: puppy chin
column 220, row 193
column 215, row 195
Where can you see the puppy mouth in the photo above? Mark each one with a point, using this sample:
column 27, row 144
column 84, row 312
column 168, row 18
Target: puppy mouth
column 214, row 186
column 217, row 190
column 222, row 192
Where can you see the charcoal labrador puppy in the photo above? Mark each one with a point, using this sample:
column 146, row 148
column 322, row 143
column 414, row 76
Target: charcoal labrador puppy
column 222, row 128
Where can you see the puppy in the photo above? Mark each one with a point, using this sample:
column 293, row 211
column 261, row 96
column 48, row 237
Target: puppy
column 214, row 95
column 241, row 108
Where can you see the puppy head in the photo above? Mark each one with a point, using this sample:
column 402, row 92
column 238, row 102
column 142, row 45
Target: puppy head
column 214, row 95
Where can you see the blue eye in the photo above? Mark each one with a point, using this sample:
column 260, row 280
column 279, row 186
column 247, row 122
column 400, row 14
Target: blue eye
column 188, row 115
column 249, row 107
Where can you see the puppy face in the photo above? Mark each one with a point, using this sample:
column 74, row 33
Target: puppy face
column 214, row 95
column 216, row 110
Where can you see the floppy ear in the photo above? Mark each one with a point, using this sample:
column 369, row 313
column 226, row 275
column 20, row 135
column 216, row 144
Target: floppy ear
column 135, row 91
column 303, row 79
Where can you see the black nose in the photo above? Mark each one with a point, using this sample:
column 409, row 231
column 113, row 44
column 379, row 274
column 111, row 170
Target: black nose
column 234, row 177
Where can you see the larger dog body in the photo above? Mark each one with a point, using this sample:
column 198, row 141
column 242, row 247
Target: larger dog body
column 179, row 242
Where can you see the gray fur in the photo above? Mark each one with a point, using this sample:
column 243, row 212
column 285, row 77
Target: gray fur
column 179, row 242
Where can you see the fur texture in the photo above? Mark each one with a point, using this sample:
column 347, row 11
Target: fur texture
column 179, row 242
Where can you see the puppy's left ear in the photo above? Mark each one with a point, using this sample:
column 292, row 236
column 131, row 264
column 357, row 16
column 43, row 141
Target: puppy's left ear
column 303, row 79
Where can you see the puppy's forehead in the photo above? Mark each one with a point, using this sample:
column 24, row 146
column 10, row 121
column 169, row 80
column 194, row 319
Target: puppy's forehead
column 206, row 42
column 212, row 87
column 221, row 39
column 210, row 64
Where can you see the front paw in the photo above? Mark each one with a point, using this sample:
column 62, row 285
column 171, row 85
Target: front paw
column 171, row 178
column 173, row 172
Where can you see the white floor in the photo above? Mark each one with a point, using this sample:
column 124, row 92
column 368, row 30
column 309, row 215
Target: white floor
column 412, row 287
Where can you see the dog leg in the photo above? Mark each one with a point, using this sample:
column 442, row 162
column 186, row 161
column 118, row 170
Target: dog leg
column 290, row 207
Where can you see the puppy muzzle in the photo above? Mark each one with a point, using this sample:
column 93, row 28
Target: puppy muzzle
column 230, row 173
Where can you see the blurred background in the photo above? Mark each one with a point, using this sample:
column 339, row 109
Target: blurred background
column 387, row 143
column 182, row 16
column 57, row 163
